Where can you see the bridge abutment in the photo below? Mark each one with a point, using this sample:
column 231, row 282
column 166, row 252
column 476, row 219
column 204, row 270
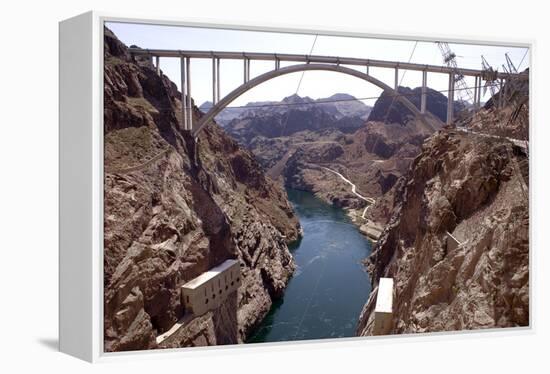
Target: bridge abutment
column 424, row 89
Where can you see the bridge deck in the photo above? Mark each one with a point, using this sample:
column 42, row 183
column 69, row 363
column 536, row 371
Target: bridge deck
column 311, row 58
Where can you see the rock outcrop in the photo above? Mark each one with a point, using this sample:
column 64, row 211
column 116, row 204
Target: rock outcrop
column 175, row 207
column 505, row 116
column 387, row 109
column 475, row 188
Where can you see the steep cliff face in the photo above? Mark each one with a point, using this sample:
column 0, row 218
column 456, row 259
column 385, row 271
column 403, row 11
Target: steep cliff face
column 177, row 206
column 476, row 188
column 505, row 116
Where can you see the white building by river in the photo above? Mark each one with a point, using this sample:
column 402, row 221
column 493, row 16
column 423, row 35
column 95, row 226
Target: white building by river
column 209, row 290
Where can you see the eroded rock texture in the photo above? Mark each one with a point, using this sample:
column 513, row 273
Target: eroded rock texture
column 476, row 188
column 176, row 207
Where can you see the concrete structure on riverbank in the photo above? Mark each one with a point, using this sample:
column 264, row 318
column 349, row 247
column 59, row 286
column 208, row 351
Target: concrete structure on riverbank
column 209, row 290
column 372, row 230
column 383, row 311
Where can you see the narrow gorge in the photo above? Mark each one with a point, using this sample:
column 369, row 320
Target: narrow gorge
column 278, row 220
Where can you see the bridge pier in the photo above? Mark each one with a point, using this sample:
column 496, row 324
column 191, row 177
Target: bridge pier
column 423, row 97
column 215, row 80
column 157, row 61
column 183, row 74
column 479, row 92
column 189, row 100
column 476, row 83
column 396, row 79
column 246, row 62
column 218, row 79
column 450, row 99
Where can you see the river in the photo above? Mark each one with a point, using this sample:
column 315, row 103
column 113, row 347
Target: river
column 330, row 286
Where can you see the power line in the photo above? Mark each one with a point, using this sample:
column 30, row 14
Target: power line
column 399, row 84
column 523, row 58
column 323, row 101
column 283, row 128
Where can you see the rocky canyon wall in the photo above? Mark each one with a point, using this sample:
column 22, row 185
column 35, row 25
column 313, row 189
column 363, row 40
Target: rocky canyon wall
column 175, row 207
column 475, row 188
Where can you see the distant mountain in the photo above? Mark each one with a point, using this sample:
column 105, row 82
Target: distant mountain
column 226, row 115
column 230, row 113
column 339, row 105
column 436, row 103
column 294, row 114
column 346, row 105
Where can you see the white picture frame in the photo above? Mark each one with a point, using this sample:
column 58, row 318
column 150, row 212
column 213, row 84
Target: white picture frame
column 81, row 182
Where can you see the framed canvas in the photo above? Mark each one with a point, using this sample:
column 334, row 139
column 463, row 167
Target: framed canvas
column 239, row 185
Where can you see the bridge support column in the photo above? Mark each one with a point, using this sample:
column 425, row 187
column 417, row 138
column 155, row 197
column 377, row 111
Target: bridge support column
column 424, row 89
column 450, row 99
column 396, row 78
column 157, row 61
column 218, row 79
column 215, row 80
column 183, row 74
column 479, row 91
column 246, row 69
column 367, row 70
column 189, row 101
column 476, row 83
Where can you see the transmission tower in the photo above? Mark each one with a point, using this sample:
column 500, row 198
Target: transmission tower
column 512, row 84
column 489, row 75
column 465, row 95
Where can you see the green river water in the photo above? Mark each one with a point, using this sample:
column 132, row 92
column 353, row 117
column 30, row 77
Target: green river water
column 330, row 286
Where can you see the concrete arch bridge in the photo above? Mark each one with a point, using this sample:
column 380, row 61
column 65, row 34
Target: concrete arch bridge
column 305, row 63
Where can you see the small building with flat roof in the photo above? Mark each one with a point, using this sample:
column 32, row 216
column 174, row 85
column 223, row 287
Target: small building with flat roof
column 383, row 311
column 209, row 290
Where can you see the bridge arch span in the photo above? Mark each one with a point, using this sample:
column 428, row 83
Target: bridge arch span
column 220, row 105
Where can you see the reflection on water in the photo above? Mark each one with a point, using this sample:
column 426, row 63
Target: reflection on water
column 330, row 286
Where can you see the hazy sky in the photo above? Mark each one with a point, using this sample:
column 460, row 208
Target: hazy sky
column 316, row 84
